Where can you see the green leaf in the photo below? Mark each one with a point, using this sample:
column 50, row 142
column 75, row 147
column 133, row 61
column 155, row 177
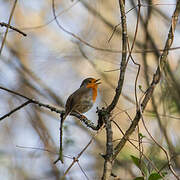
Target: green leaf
column 141, row 135
column 136, row 161
column 154, row 176
column 139, row 178
column 140, row 87
column 140, row 164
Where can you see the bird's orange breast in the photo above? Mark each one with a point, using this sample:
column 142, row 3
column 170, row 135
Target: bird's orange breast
column 94, row 90
column 94, row 93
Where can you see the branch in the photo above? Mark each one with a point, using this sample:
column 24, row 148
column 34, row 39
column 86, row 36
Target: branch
column 109, row 146
column 32, row 100
column 79, row 116
column 82, row 118
column 75, row 159
column 77, row 37
column 155, row 81
column 9, row 21
column 13, row 28
column 14, row 110
column 162, row 148
column 123, row 59
column 95, row 47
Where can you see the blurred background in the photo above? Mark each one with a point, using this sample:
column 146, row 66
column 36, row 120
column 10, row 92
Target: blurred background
column 49, row 64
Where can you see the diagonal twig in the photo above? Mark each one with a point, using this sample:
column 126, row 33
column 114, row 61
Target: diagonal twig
column 9, row 21
column 16, row 109
column 75, row 159
column 13, row 28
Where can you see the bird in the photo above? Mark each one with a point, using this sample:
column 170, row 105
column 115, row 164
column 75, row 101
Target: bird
column 82, row 99
column 80, row 102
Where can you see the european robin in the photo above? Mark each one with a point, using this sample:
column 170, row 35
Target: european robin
column 80, row 101
column 83, row 98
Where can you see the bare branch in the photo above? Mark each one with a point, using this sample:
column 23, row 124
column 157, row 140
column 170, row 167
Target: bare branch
column 155, row 81
column 123, row 59
column 16, row 109
column 13, row 28
column 75, row 159
column 9, row 21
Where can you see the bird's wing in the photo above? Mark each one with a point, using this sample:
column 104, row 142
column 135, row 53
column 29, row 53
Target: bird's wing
column 69, row 104
column 74, row 99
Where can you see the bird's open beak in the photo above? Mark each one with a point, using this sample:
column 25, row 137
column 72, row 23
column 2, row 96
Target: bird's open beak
column 96, row 81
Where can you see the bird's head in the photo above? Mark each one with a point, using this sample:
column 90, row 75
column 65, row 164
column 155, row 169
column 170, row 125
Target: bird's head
column 90, row 83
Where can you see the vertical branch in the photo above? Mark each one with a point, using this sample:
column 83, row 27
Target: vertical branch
column 109, row 149
column 109, row 146
column 61, row 139
column 123, row 59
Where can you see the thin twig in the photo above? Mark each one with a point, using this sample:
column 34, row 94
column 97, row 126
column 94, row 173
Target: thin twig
column 155, row 168
column 82, row 170
column 35, row 148
column 75, row 159
column 60, row 158
column 131, row 50
column 16, row 109
column 98, row 48
column 13, row 28
column 32, row 100
column 9, row 21
column 115, row 27
column 161, row 147
column 51, row 20
column 75, row 36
